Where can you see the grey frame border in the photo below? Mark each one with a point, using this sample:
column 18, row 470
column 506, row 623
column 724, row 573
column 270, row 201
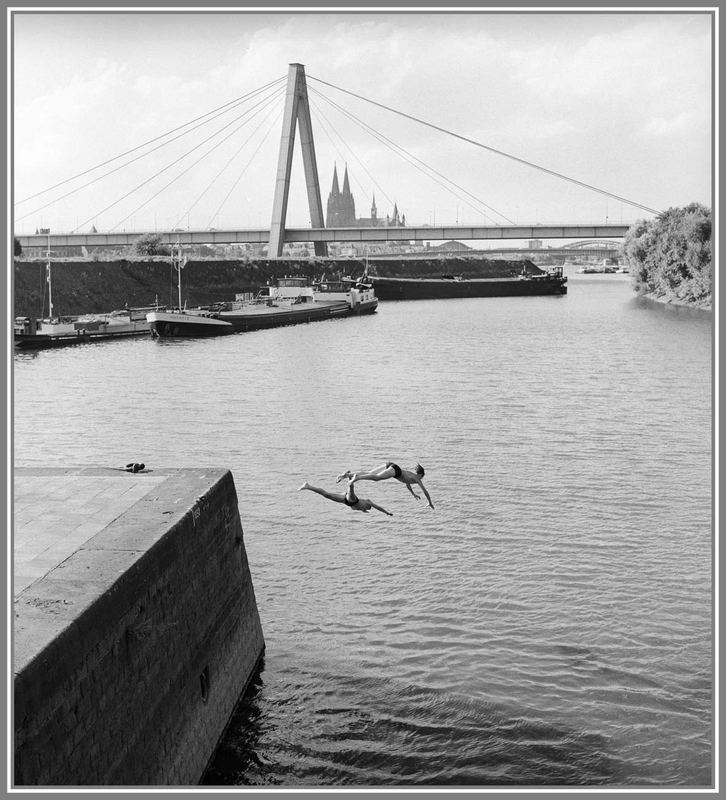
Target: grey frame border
column 295, row 6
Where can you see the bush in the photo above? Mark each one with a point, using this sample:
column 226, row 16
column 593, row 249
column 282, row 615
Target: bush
column 670, row 256
column 150, row 244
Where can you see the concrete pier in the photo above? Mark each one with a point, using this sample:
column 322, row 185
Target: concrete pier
column 135, row 629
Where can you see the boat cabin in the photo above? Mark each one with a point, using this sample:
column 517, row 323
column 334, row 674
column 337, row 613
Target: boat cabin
column 290, row 290
column 26, row 325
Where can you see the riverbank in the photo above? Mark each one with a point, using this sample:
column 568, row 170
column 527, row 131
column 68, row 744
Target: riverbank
column 83, row 286
column 674, row 301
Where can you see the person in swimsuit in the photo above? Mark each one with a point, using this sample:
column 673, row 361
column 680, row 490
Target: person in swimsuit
column 350, row 498
column 391, row 470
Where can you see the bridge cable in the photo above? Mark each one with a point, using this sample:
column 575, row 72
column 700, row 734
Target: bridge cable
column 244, row 169
column 409, row 157
column 193, row 164
column 168, row 166
column 348, row 147
column 322, row 118
column 224, row 167
column 328, row 129
column 379, row 137
column 131, row 161
column 491, row 149
column 231, row 103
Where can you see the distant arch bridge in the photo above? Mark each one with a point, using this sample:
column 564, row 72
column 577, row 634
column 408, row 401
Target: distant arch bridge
column 593, row 244
column 583, row 249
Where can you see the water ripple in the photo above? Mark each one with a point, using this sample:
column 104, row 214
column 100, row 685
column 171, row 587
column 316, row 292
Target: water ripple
column 549, row 623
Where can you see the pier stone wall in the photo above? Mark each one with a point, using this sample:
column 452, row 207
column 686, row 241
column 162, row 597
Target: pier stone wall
column 130, row 655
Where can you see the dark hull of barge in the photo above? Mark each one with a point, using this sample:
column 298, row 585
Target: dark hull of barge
column 253, row 318
column 447, row 288
column 40, row 341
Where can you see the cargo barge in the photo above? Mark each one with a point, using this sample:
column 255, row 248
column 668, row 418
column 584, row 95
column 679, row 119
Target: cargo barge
column 527, row 284
column 290, row 301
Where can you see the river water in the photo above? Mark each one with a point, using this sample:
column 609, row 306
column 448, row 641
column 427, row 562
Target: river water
column 550, row 622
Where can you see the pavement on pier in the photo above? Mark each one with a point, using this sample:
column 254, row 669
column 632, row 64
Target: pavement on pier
column 57, row 510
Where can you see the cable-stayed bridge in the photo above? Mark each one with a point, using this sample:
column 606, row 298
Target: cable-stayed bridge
column 296, row 120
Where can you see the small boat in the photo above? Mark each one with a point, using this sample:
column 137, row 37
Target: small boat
column 359, row 294
column 57, row 331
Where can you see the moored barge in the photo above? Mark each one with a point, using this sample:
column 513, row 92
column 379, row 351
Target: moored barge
column 358, row 294
column 290, row 301
column 527, row 284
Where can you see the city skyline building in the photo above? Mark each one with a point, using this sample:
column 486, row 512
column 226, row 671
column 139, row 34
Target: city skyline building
column 341, row 208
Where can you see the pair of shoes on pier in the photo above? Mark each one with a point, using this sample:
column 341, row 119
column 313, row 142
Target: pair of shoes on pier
column 133, row 467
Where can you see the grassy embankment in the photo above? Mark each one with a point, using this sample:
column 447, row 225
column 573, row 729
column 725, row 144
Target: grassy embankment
column 86, row 286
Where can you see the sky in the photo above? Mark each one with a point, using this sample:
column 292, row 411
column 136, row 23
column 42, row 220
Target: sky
column 619, row 101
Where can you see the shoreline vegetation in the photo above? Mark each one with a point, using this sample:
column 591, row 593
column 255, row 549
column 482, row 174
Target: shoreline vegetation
column 671, row 258
column 677, row 303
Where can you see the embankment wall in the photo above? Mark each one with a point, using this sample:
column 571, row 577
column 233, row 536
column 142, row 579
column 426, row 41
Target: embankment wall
column 131, row 654
column 84, row 287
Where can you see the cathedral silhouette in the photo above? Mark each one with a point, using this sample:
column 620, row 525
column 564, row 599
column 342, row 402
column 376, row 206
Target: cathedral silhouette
column 341, row 209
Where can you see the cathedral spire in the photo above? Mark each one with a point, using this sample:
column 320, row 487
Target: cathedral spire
column 374, row 210
column 341, row 205
column 335, row 191
column 346, row 184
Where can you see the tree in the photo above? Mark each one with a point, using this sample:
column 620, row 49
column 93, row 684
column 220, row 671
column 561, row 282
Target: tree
column 150, row 244
column 670, row 256
column 17, row 247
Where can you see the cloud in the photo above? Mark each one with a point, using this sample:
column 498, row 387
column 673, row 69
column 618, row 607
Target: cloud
column 67, row 124
column 656, row 55
column 589, row 95
column 685, row 122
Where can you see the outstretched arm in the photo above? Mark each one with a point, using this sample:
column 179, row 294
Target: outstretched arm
column 417, row 496
column 380, row 508
column 423, row 489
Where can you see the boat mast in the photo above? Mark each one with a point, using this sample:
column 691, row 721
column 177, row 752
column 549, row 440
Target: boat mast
column 47, row 277
column 178, row 260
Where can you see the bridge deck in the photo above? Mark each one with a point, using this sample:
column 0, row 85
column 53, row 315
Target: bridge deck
column 262, row 236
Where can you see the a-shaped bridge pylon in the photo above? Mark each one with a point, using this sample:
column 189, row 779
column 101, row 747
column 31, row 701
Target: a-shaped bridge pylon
column 296, row 114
